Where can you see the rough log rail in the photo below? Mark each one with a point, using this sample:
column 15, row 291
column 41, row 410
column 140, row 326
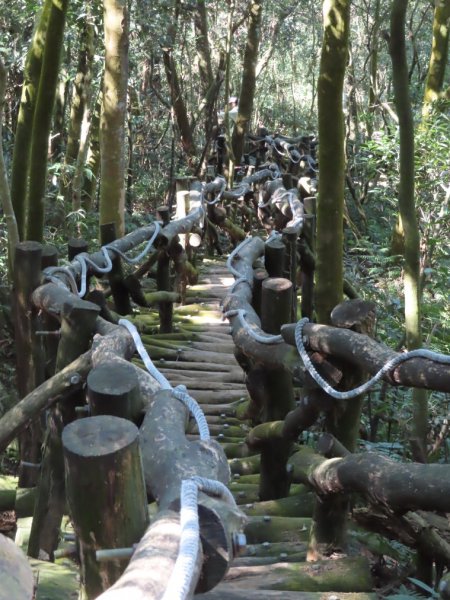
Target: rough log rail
column 355, row 348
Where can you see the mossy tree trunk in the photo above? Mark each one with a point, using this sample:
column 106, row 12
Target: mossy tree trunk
column 80, row 103
column 439, row 55
column 5, row 197
column 92, row 163
column 373, row 85
column 37, row 171
column 248, row 84
column 329, row 250
column 24, row 127
column 328, row 529
column 202, row 46
column 407, row 210
column 179, row 106
column 114, row 108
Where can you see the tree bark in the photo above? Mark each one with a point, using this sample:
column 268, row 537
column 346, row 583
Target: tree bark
column 438, row 56
column 386, row 483
column 5, row 196
column 114, row 110
column 37, row 171
column 105, row 492
column 370, row 355
column 329, row 250
column 22, row 141
column 411, row 278
column 248, row 83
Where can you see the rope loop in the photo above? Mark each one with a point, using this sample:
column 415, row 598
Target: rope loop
column 347, row 395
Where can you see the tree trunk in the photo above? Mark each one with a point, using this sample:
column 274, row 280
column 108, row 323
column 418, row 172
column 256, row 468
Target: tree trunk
column 80, row 104
column 114, row 108
column 179, row 106
column 439, row 55
column 407, row 210
column 5, row 197
column 329, row 272
column 22, row 141
column 35, row 205
column 89, row 191
column 248, row 83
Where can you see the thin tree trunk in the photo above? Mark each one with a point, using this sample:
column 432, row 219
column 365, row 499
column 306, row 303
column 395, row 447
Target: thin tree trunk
column 411, row 280
column 329, row 272
column 179, row 106
column 92, row 162
column 22, row 142
column 5, row 197
column 114, row 108
column 80, row 106
column 248, row 84
column 439, row 55
column 35, row 206
column 329, row 524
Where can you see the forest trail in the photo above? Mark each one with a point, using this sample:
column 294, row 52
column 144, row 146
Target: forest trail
column 273, row 562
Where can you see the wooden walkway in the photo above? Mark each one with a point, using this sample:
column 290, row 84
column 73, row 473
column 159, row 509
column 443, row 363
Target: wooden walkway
column 273, row 562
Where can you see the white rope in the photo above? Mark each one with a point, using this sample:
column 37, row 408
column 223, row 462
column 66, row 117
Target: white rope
column 84, row 260
column 232, row 255
column 181, row 578
column 218, row 198
column 163, row 382
column 50, row 275
column 145, row 251
column 180, row 392
column 396, row 360
column 264, row 338
column 235, row 272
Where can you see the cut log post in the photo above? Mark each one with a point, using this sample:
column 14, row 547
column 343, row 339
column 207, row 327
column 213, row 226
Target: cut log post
column 306, row 245
column 113, row 390
column 276, row 304
column 49, row 256
column 78, row 321
column 274, row 257
column 30, row 364
column 259, row 276
column 290, row 235
column 105, row 493
column 76, row 246
column 163, row 214
column 277, row 390
column 50, row 325
column 182, row 206
column 119, row 290
column 164, row 285
column 16, row 574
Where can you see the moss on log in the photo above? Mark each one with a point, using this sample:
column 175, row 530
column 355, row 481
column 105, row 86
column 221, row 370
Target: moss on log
column 277, row 529
column 298, row 505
